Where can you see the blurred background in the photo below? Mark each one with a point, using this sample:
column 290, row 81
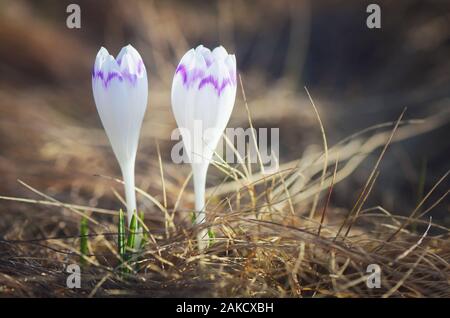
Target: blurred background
column 51, row 136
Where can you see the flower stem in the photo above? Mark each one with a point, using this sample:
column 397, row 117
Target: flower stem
column 199, row 172
column 130, row 194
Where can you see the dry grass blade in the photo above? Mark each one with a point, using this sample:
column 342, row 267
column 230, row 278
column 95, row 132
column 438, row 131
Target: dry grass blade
column 364, row 191
column 60, row 204
column 325, row 160
column 328, row 198
column 71, row 208
column 413, row 247
column 414, row 212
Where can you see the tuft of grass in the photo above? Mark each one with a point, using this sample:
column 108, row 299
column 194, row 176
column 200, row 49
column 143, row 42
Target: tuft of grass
column 142, row 232
column 131, row 239
column 84, row 233
column 265, row 243
column 211, row 236
column 121, row 235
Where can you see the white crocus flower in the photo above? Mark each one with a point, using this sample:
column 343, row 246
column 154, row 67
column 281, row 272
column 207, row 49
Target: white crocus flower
column 203, row 95
column 120, row 91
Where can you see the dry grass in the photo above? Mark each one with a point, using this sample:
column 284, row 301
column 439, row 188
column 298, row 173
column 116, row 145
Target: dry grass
column 266, row 246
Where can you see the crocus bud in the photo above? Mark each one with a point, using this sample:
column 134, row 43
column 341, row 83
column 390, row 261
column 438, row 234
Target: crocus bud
column 203, row 95
column 120, row 92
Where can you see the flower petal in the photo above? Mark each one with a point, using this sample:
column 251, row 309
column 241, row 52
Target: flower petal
column 130, row 61
column 206, row 54
column 220, row 53
column 121, row 103
column 203, row 99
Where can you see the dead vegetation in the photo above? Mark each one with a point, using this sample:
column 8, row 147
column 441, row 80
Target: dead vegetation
column 278, row 235
column 268, row 244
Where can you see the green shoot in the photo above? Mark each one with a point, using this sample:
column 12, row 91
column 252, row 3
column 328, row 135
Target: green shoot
column 121, row 235
column 141, row 220
column 211, row 234
column 132, row 233
column 143, row 235
column 212, row 237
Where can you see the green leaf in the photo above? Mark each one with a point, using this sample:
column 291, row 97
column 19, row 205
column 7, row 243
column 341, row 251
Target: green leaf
column 141, row 220
column 121, row 235
column 212, row 237
column 132, row 233
column 144, row 239
column 142, row 232
column 84, row 232
column 193, row 217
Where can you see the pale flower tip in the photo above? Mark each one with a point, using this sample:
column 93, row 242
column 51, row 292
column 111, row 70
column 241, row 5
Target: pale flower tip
column 220, row 53
column 186, row 59
column 129, row 48
column 230, row 61
column 109, row 64
column 110, row 59
column 231, row 57
column 191, row 52
column 102, row 52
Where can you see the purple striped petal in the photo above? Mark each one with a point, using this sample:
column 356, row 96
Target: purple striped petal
column 190, row 77
column 120, row 75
